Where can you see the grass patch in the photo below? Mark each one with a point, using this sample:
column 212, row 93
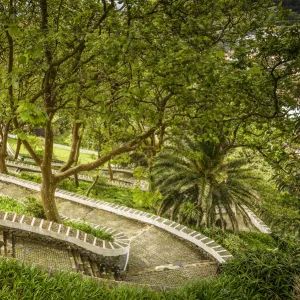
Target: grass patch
column 102, row 191
column 60, row 154
column 101, row 234
column 259, row 275
column 18, row 281
column 9, row 204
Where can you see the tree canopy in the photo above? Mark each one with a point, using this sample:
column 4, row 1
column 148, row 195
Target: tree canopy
column 131, row 73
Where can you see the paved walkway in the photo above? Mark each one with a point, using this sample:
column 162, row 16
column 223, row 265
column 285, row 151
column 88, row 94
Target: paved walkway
column 152, row 249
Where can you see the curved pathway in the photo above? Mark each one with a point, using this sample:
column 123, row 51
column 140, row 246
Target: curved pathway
column 156, row 256
column 255, row 220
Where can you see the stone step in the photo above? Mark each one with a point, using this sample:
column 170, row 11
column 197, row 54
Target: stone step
column 78, row 261
column 73, row 263
column 87, row 266
column 95, row 269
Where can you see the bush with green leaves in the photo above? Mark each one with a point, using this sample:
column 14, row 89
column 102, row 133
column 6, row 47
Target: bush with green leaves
column 146, row 199
column 264, row 275
column 22, row 282
column 202, row 172
column 34, row 207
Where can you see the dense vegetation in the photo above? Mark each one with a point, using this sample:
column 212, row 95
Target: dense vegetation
column 121, row 77
column 201, row 97
column 265, row 274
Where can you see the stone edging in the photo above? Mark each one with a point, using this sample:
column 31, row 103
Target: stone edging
column 256, row 221
column 198, row 239
column 120, row 245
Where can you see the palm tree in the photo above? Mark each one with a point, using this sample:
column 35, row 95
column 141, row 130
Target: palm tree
column 201, row 173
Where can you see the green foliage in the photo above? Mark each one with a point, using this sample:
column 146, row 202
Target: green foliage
column 34, row 207
column 263, row 275
column 22, row 282
column 101, row 234
column 29, row 176
column 281, row 210
column 37, row 144
column 145, row 199
column 139, row 172
column 101, row 191
column 268, row 273
column 9, row 204
column 31, row 113
column 241, row 241
column 30, row 206
column 200, row 172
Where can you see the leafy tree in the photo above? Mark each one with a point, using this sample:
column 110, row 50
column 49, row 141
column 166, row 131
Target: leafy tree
column 200, row 172
column 138, row 65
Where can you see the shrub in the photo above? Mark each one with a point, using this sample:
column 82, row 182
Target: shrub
column 145, row 199
column 34, row 207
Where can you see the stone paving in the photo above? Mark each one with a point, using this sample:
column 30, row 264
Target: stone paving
column 15, row 192
column 43, row 254
column 151, row 247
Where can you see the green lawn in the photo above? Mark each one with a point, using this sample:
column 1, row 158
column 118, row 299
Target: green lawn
column 60, row 154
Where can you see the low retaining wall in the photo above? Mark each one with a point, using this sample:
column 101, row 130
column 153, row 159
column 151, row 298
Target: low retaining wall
column 256, row 221
column 109, row 253
column 200, row 240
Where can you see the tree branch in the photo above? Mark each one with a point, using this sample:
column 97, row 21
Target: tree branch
column 127, row 147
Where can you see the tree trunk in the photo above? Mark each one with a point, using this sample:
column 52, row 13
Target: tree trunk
column 3, row 168
column 19, row 143
column 49, row 180
column 76, row 181
column 77, row 153
column 111, row 174
column 93, row 184
column 150, row 155
column 3, row 150
column 48, row 199
column 200, row 213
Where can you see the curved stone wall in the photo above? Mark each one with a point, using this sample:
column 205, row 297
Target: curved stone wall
column 256, row 221
column 116, row 251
